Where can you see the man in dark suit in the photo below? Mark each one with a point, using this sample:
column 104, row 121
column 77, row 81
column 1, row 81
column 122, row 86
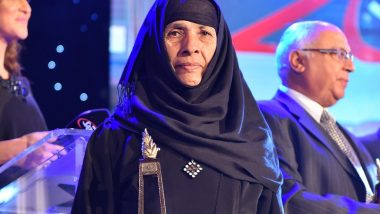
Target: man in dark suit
column 325, row 169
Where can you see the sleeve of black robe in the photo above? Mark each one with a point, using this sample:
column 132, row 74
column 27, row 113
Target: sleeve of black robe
column 109, row 167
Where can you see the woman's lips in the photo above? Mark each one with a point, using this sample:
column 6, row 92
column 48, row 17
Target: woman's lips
column 188, row 66
column 23, row 20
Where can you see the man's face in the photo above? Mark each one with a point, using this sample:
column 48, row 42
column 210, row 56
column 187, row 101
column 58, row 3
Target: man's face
column 327, row 74
column 190, row 48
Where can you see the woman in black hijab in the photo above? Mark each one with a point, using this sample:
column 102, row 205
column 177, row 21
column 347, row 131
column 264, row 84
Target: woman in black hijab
column 182, row 83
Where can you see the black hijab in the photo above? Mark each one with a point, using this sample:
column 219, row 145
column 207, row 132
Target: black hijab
column 216, row 122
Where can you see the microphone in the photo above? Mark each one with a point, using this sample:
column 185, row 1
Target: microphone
column 90, row 119
column 87, row 120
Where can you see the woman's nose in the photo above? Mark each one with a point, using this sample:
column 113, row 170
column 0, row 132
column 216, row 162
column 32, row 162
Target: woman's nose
column 190, row 45
column 25, row 7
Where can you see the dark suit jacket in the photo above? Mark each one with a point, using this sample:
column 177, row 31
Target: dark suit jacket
column 372, row 143
column 318, row 176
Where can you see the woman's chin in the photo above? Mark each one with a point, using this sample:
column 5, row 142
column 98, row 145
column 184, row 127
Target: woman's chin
column 190, row 82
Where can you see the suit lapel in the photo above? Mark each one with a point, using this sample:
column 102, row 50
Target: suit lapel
column 365, row 158
column 315, row 130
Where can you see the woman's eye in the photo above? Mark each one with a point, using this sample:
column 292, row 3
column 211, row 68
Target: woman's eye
column 174, row 33
column 206, row 33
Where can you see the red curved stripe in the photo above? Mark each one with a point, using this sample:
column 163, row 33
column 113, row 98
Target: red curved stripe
column 250, row 38
column 359, row 47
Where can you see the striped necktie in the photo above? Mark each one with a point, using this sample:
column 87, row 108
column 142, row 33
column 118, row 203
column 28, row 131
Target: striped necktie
column 329, row 124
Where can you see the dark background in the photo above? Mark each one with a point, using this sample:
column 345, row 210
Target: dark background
column 81, row 27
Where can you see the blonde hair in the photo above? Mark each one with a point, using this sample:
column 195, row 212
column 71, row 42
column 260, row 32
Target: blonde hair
column 11, row 59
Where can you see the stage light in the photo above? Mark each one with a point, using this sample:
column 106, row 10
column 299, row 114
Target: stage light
column 83, row 97
column 51, row 65
column 94, row 17
column 58, row 86
column 60, row 49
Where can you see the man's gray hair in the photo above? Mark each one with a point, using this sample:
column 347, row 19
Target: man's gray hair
column 296, row 36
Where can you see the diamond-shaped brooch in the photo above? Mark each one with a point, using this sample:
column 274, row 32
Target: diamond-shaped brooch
column 192, row 168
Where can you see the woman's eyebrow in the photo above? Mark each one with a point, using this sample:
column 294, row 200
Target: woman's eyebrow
column 178, row 25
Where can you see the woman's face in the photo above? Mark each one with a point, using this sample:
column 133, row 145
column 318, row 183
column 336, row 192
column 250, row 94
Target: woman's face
column 14, row 17
column 190, row 47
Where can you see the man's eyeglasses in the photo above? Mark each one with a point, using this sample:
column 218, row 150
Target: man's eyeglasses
column 340, row 53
